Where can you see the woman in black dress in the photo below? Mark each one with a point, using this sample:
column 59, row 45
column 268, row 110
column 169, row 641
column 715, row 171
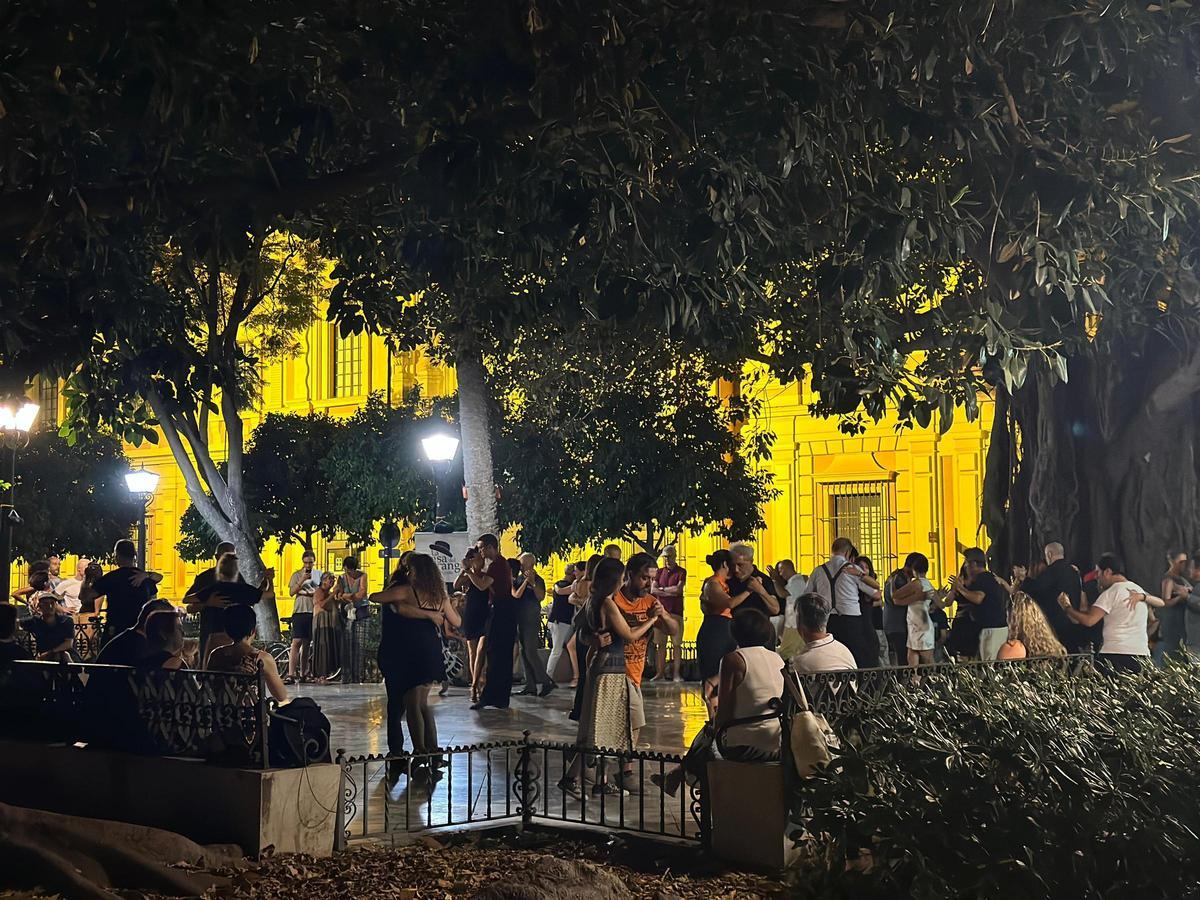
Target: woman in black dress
column 715, row 638
column 415, row 605
column 474, row 619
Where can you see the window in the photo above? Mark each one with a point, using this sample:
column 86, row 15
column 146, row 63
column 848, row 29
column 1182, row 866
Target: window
column 47, row 399
column 346, row 364
column 862, row 512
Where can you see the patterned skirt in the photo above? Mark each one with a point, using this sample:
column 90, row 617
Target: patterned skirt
column 604, row 720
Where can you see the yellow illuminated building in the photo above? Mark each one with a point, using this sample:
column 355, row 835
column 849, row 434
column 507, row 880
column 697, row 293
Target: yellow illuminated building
column 891, row 491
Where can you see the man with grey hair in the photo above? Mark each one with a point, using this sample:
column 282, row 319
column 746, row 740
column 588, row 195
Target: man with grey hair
column 742, row 577
column 1059, row 577
column 529, row 590
column 822, row 652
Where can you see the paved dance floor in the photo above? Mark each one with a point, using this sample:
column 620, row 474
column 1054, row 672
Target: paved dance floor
column 674, row 713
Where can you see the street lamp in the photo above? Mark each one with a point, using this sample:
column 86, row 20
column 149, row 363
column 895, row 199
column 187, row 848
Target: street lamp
column 142, row 484
column 439, row 448
column 16, row 421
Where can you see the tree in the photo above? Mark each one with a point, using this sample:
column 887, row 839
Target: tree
column 606, row 443
column 285, row 486
column 376, row 469
column 72, row 498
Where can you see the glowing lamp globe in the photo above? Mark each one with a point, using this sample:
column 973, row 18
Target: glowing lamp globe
column 141, row 482
column 440, row 447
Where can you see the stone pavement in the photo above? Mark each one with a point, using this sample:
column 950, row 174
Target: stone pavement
column 674, row 713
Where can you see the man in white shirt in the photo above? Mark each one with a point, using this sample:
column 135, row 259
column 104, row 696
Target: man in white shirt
column 791, row 585
column 1122, row 609
column 838, row 582
column 822, row 652
column 68, row 589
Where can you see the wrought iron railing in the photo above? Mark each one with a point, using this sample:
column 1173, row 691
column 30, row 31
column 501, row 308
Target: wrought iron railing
column 834, row 694
column 89, row 636
column 220, row 716
column 513, row 782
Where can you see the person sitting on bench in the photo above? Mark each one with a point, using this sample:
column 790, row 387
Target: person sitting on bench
column 746, row 727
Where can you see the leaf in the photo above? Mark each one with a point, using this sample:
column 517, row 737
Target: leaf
column 1008, row 251
column 1178, row 139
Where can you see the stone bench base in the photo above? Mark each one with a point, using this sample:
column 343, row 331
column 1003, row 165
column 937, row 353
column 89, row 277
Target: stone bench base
column 749, row 814
column 292, row 810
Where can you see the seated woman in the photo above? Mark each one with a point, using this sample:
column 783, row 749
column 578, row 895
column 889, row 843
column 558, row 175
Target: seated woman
column 242, row 656
column 164, row 642
column 1029, row 633
column 746, row 727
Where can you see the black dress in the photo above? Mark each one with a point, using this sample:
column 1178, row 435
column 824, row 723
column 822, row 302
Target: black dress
column 410, row 651
column 501, row 637
column 475, row 613
column 713, row 642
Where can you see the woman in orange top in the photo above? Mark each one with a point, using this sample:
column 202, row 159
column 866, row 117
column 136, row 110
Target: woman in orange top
column 715, row 638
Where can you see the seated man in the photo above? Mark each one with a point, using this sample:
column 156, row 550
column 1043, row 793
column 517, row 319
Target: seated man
column 10, row 649
column 130, row 646
column 164, row 641
column 821, row 653
column 242, row 656
column 53, row 631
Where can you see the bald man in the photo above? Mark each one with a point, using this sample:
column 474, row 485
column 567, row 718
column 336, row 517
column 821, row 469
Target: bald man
column 1059, row 577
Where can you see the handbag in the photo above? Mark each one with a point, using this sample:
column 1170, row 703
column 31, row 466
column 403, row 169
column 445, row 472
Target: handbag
column 811, row 738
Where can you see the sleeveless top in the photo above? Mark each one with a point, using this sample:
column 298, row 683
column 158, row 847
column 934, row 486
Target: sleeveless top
column 762, row 684
column 724, row 583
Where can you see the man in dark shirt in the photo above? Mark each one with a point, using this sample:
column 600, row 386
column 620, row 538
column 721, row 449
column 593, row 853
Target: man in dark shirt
column 53, row 632
column 212, row 618
column 125, row 589
column 10, row 649
column 1059, row 577
column 502, row 633
column 739, row 581
column 130, row 646
column 988, row 599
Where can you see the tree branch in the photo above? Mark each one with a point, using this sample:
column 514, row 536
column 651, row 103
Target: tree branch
column 200, row 499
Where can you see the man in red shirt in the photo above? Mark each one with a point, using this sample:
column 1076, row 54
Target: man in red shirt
column 496, row 579
column 668, row 590
column 637, row 604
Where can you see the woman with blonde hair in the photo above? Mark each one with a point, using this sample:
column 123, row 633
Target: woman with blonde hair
column 1029, row 634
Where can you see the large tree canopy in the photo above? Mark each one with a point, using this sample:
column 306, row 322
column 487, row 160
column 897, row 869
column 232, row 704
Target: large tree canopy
column 909, row 200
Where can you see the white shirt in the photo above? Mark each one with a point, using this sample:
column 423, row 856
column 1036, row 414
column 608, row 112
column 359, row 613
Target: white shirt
column 68, row 591
column 846, row 601
column 1124, row 628
column 796, row 585
column 762, row 685
column 920, row 625
column 825, row 655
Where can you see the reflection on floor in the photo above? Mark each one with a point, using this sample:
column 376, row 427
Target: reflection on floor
column 674, row 713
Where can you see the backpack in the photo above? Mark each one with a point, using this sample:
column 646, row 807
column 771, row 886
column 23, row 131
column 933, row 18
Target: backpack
column 298, row 735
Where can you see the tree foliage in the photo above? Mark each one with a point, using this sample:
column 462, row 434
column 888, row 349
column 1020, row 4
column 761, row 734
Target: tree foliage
column 72, row 497
column 623, row 439
column 377, row 470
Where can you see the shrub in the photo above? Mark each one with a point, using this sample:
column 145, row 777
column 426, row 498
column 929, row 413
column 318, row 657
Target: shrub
column 1011, row 782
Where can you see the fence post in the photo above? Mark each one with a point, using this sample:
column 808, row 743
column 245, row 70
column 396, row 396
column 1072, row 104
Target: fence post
column 339, row 818
column 525, row 781
column 264, row 717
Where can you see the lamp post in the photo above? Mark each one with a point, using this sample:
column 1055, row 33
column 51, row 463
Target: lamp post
column 142, row 484
column 16, row 421
column 439, row 448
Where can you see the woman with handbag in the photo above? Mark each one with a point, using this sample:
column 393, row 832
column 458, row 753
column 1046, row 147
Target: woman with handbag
column 327, row 631
column 746, row 727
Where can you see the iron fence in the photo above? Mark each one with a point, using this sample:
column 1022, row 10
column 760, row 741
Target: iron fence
column 89, row 636
column 834, row 694
column 220, row 716
column 520, row 782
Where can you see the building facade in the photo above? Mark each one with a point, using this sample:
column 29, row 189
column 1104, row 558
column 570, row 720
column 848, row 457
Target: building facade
column 892, row 491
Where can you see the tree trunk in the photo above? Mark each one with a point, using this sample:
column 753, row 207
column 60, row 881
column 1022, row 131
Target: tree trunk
column 476, row 445
column 223, row 508
column 1106, row 462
